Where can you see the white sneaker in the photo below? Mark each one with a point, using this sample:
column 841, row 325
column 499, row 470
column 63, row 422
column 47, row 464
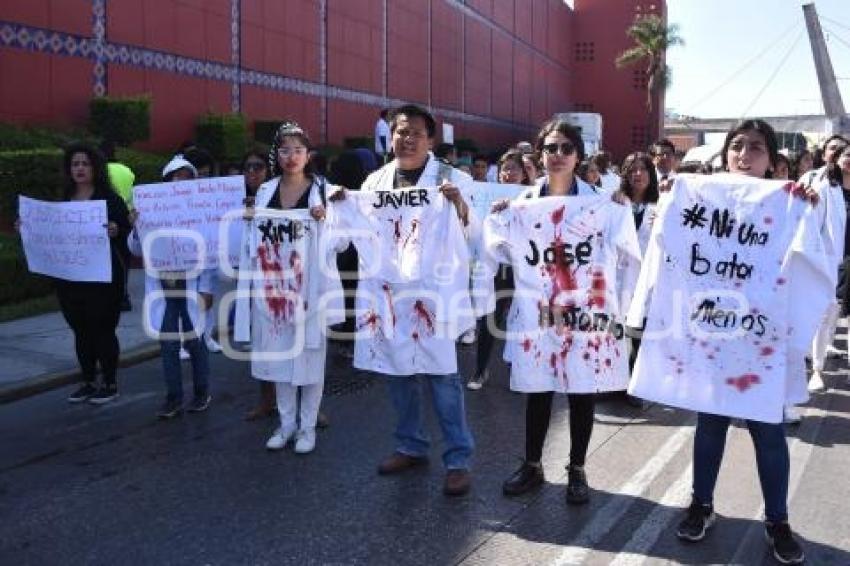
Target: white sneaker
column 184, row 354
column 468, row 337
column 816, row 384
column 792, row 415
column 305, row 441
column 280, row 438
column 212, row 346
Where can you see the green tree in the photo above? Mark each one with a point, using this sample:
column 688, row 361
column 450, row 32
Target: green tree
column 652, row 37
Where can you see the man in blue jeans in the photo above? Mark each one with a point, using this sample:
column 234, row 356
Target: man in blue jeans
column 415, row 359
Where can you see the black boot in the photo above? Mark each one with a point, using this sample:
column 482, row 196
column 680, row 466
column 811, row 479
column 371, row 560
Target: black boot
column 526, row 478
column 577, row 491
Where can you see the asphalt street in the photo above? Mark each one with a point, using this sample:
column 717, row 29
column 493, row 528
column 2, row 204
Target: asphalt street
column 112, row 485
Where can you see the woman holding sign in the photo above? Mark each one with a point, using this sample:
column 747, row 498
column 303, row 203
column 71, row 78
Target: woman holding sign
column 750, row 149
column 293, row 186
column 561, row 149
column 92, row 310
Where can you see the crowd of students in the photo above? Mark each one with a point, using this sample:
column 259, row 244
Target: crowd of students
column 286, row 178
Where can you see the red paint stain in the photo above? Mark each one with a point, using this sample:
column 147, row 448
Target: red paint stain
column 553, row 360
column 743, row 382
column 780, row 281
column 412, row 235
column 526, row 344
column 597, row 289
column 389, row 296
column 425, row 316
column 557, row 215
column 767, row 351
column 768, row 220
column 559, row 272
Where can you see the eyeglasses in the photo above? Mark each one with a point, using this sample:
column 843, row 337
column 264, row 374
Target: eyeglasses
column 255, row 166
column 565, row 148
column 287, row 151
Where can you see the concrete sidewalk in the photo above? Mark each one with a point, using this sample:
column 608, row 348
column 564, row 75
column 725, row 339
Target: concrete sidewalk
column 38, row 352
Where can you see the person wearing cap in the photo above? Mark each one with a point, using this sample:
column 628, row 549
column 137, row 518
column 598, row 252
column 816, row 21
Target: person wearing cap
column 174, row 302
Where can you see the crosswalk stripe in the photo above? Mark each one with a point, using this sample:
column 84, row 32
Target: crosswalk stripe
column 607, row 516
column 670, row 507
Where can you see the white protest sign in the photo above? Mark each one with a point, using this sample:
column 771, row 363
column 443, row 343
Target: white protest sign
column 178, row 222
column 67, row 240
column 481, row 196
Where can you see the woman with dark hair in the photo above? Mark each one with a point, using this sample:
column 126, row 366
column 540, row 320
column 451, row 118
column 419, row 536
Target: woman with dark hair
column 92, row 310
column 749, row 149
column 561, row 149
column 782, row 170
column 588, row 172
column 511, row 171
column 298, row 382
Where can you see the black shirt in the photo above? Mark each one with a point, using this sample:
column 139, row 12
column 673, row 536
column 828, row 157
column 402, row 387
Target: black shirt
column 407, row 177
column 274, row 202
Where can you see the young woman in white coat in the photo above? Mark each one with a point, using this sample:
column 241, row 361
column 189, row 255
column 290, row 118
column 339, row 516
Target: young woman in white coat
column 179, row 309
column 293, row 186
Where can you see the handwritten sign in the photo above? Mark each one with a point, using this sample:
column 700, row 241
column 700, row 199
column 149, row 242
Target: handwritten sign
column 481, row 196
column 731, row 256
column 66, row 240
column 179, row 222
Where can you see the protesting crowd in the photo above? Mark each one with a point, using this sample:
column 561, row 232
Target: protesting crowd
column 671, row 282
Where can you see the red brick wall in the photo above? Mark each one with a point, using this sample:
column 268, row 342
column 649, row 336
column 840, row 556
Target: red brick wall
column 503, row 65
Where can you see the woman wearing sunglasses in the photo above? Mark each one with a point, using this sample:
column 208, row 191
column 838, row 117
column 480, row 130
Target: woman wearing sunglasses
column 561, row 149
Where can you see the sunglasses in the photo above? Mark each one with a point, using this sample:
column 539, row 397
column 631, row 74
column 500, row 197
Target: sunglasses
column 565, row 148
column 255, row 166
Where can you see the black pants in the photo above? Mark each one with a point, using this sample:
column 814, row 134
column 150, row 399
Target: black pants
column 538, row 411
column 503, row 283
column 92, row 311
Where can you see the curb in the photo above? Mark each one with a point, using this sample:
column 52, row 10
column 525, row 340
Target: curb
column 49, row 381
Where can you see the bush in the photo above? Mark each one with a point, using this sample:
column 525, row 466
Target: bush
column 36, row 173
column 146, row 166
column 14, row 138
column 359, row 141
column 17, row 283
column 223, row 135
column 121, row 120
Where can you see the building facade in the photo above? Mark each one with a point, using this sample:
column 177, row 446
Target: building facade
column 494, row 69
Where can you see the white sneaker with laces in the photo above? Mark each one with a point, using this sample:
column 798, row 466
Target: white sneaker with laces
column 305, row 441
column 280, row 438
column 816, row 384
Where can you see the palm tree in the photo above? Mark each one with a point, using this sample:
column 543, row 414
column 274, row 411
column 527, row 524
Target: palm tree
column 652, row 37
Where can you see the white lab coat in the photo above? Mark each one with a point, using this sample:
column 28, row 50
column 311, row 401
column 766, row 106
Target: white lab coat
column 308, row 367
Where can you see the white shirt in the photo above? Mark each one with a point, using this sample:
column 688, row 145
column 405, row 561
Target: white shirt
column 735, row 280
column 610, row 182
column 382, row 129
column 585, row 352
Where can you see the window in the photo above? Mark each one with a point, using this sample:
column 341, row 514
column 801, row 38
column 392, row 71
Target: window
column 585, row 51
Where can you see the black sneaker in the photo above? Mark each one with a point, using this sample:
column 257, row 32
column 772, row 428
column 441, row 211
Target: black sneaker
column 577, row 491
column 200, row 404
column 694, row 527
column 785, row 548
column 85, row 391
column 526, row 478
column 170, row 409
column 104, row 395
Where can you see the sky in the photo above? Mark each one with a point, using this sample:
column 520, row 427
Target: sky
column 710, row 75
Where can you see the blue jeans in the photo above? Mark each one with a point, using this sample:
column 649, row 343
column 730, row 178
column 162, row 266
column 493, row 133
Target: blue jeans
column 447, row 396
column 772, row 461
column 177, row 315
